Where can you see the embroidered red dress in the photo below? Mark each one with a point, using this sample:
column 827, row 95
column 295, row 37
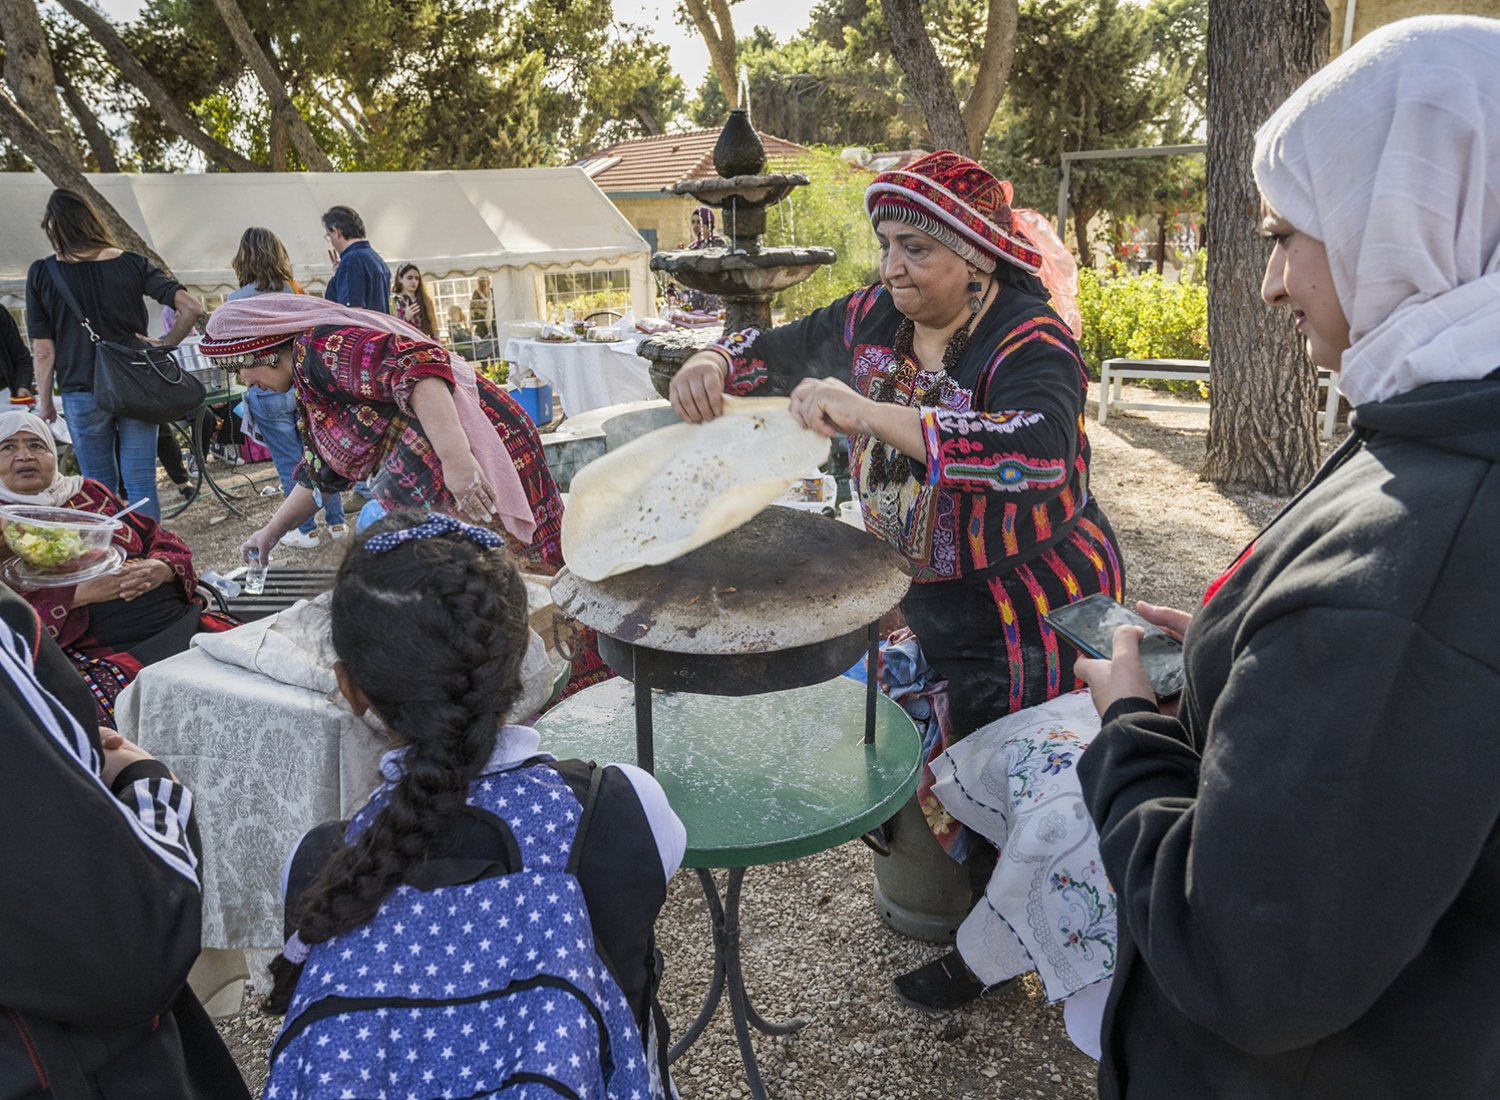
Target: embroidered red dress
column 996, row 520
column 110, row 642
column 354, row 416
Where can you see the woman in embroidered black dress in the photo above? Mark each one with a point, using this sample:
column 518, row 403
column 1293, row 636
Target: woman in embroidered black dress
column 961, row 392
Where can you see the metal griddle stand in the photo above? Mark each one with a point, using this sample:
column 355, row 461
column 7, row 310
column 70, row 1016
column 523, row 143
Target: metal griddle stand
column 650, row 669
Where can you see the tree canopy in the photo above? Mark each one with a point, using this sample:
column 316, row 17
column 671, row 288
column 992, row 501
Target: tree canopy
column 370, row 84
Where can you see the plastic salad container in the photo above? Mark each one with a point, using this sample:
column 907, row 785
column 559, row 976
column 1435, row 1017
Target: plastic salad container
column 57, row 541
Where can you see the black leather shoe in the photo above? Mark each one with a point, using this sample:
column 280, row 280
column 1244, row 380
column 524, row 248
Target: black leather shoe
column 941, row 986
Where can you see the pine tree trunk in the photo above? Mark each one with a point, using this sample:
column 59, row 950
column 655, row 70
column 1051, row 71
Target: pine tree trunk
column 993, row 71
column 160, row 100
column 28, row 72
column 1262, row 431
column 93, row 130
column 278, row 145
column 1081, row 219
column 270, row 81
column 26, row 136
column 929, row 82
column 717, row 28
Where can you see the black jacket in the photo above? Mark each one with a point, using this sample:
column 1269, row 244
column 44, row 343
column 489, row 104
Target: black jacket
column 1307, row 861
column 100, row 921
column 16, row 371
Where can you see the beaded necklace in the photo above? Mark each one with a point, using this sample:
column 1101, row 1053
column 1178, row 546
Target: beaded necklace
column 887, row 464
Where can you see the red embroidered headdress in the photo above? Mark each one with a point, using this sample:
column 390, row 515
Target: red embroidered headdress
column 956, row 201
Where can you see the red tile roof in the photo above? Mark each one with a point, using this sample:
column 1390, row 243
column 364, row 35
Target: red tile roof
column 656, row 163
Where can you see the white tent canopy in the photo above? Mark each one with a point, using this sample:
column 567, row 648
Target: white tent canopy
column 513, row 225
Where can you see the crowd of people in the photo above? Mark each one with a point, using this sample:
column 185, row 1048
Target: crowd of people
column 1303, row 845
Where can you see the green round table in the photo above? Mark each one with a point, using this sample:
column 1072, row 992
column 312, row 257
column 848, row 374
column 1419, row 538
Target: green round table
column 755, row 779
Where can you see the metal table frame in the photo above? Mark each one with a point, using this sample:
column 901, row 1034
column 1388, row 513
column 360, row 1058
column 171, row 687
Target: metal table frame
column 652, row 669
column 724, row 910
column 195, row 436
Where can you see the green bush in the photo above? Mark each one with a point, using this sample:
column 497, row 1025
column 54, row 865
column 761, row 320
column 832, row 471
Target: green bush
column 1142, row 317
column 830, row 212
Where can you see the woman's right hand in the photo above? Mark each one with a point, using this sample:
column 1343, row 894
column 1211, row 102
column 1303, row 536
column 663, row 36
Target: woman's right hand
column 45, row 407
column 261, row 542
column 697, row 391
column 100, row 589
column 1168, row 619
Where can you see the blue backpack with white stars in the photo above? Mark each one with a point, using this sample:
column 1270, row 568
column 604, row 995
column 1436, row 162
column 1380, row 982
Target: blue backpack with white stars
column 489, row 984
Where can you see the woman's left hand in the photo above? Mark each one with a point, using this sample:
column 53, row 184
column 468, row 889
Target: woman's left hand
column 141, row 576
column 1121, row 677
column 471, row 490
column 829, row 407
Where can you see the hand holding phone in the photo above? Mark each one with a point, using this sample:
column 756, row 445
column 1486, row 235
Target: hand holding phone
column 1090, row 624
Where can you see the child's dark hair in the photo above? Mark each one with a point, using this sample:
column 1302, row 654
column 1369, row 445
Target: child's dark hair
column 433, row 631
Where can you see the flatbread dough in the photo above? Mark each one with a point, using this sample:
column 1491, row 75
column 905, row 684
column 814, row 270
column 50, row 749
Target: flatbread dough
column 674, row 489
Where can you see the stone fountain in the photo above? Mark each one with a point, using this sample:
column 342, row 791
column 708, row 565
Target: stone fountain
column 745, row 275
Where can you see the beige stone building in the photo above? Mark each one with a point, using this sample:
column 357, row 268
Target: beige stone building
column 1353, row 19
column 637, row 176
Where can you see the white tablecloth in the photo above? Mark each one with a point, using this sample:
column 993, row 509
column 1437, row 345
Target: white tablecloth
column 586, row 375
column 252, row 723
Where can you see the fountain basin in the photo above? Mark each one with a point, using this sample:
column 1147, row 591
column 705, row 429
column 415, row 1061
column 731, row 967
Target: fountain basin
column 728, row 273
column 747, row 190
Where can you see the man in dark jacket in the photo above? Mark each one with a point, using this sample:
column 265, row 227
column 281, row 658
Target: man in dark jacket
column 16, row 373
column 360, row 277
column 101, row 919
column 1307, row 855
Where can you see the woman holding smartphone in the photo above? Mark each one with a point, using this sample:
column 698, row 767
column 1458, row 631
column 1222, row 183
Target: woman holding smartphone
column 1306, row 853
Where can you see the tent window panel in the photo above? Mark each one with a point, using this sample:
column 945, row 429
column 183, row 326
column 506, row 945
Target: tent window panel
column 454, row 300
column 586, row 292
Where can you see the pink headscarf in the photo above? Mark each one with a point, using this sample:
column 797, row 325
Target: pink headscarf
column 288, row 314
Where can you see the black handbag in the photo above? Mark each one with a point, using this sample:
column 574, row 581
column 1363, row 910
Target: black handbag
column 136, row 383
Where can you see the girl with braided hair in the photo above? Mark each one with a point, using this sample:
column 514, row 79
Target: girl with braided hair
column 436, row 893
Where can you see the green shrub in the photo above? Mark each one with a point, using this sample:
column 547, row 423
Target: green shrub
column 1142, row 317
column 496, row 370
column 830, row 212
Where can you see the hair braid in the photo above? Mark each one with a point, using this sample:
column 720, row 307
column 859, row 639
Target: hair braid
column 434, row 632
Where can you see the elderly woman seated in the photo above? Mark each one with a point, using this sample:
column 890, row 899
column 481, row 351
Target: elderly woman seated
column 112, row 626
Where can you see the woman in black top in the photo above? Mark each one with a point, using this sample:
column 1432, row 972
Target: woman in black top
column 109, row 283
column 15, row 359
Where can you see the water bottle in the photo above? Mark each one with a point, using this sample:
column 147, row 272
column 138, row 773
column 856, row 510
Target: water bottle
column 255, row 572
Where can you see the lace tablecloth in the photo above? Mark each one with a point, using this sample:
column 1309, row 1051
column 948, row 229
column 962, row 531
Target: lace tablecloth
column 252, row 722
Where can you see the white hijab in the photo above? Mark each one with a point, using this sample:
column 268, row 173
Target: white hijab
column 62, row 489
column 1391, row 157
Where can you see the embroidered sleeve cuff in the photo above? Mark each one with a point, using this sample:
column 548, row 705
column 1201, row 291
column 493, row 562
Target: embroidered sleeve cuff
column 411, row 374
column 932, row 444
column 746, row 373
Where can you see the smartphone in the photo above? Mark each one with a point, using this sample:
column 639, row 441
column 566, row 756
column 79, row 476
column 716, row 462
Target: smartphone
column 1090, row 625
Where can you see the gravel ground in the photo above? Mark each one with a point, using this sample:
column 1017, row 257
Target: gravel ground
column 813, row 945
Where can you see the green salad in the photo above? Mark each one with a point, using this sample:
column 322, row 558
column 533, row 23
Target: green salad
column 44, row 547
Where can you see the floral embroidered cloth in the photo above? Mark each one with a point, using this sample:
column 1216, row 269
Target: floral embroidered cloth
column 1048, row 905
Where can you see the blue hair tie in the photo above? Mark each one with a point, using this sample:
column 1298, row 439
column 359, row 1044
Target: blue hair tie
column 434, row 526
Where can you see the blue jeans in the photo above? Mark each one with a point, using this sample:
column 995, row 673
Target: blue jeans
column 96, row 434
column 275, row 416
